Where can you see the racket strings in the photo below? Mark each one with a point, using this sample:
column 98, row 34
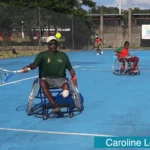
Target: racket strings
column 2, row 76
column 6, row 73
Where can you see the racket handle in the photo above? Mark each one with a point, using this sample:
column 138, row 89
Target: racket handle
column 20, row 71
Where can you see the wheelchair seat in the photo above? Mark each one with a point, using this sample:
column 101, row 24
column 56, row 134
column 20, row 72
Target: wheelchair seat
column 73, row 103
column 123, row 67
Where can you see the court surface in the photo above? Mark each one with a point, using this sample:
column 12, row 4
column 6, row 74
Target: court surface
column 114, row 105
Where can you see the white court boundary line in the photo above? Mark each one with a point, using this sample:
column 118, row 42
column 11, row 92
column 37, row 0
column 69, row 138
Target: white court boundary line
column 96, row 69
column 18, row 81
column 76, row 66
column 25, row 79
column 54, row 132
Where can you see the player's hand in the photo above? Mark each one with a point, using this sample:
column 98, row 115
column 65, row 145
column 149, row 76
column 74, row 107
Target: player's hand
column 54, row 104
column 25, row 69
column 74, row 82
column 55, row 107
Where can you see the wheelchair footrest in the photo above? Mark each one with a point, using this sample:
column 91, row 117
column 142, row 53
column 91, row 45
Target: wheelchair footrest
column 48, row 106
column 133, row 72
column 45, row 112
column 60, row 114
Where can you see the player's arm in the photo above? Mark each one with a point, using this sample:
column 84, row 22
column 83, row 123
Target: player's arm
column 117, row 54
column 72, row 72
column 74, row 78
column 33, row 65
column 102, row 42
column 118, row 50
column 129, row 54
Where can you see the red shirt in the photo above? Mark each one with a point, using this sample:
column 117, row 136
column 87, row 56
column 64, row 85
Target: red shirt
column 97, row 40
column 124, row 53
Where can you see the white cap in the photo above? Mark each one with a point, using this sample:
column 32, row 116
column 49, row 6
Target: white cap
column 50, row 38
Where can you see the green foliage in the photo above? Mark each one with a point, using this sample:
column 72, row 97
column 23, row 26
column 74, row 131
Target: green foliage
column 137, row 10
column 106, row 10
column 62, row 6
column 46, row 14
column 115, row 10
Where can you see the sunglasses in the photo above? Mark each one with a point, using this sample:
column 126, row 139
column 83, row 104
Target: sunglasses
column 52, row 43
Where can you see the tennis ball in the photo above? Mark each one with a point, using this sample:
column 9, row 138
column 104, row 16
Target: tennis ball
column 58, row 35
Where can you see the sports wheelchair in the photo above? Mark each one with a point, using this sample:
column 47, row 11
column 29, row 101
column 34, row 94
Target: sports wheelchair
column 73, row 103
column 123, row 67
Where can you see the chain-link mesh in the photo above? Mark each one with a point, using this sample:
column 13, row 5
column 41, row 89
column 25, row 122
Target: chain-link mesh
column 26, row 27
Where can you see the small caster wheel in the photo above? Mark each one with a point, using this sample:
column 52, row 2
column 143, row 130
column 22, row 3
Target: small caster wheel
column 28, row 113
column 44, row 117
column 71, row 115
column 79, row 109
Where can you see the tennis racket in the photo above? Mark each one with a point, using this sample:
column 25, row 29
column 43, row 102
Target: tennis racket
column 5, row 75
column 75, row 95
column 32, row 96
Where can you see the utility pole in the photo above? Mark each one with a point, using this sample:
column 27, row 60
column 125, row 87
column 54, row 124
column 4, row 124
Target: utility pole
column 120, row 3
column 72, row 33
column 101, row 23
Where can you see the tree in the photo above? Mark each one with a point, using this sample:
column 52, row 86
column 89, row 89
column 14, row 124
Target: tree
column 56, row 13
column 137, row 10
column 62, row 6
column 106, row 10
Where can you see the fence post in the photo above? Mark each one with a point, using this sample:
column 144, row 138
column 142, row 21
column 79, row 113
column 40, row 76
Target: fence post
column 129, row 25
column 72, row 22
column 39, row 24
column 101, row 24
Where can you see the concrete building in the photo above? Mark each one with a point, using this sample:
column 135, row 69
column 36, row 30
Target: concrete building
column 114, row 29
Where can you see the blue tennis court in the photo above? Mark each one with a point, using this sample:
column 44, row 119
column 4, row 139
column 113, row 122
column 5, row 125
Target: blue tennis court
column 113, row 105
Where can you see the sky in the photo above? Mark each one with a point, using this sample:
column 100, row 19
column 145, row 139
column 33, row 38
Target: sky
column 125, row 3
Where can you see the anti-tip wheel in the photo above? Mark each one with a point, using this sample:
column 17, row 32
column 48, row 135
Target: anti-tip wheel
column 71, row 115
column 28, row 114
column 44, row 117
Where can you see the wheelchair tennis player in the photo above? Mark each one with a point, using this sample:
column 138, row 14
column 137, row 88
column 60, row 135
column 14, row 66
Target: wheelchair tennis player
column 123, row 53
column 52, row 71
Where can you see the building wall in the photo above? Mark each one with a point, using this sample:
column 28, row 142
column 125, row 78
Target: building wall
column 136, row 33
column 115, row 36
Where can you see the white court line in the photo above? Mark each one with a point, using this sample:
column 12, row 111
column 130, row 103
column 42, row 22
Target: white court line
column 88, row 69
column 90, row 66
column 25, row 79
column 135, row 52
column 76, row 66
column 18, row 81
column 53, row 132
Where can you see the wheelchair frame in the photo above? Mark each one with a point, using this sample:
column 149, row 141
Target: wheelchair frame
column 123, row 68
column 42, row 110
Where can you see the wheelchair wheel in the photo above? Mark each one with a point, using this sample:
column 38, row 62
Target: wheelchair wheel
column 75, row 95
column 44, row 117
column 31, row 96
column 119, row 67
